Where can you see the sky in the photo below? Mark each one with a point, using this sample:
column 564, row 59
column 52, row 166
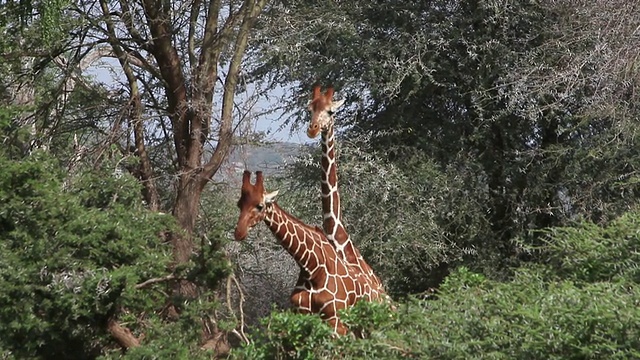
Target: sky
column 270, row 126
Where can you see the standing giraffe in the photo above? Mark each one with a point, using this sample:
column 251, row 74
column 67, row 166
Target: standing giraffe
column 326, row 283
column 322, row 108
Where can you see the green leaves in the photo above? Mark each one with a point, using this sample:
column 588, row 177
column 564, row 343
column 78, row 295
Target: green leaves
column 70, row 258
column 550, row 311
column 289, row 336
column 529, row 317
column 591, row 253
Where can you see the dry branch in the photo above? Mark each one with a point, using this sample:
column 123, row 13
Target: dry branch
column 155, row 281
column 123, row 336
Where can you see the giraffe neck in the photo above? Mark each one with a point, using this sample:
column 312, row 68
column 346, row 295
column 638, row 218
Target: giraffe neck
column 299, row 239
column 331, row 209
column 332, row 213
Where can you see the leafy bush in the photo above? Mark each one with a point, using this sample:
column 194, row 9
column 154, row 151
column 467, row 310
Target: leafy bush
column 582, row 305
column 70, row 258
column 591, row 253
column 180, row 339
column 287, row 335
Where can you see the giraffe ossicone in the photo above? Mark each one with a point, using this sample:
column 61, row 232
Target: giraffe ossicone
column 326, row 284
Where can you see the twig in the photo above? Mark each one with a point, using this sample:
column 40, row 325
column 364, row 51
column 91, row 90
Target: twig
column 155, row 280
column 240, row 334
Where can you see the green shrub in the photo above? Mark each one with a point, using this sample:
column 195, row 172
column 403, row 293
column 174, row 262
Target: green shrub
column 70, row 257
column 591, row 253
column 583, row 304
column 287, row 335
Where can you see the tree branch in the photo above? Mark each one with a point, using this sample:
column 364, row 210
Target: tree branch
column 123, row 336
column 155, row 281
column 135, row 115
column 253, row 8
column 171, row 70
column 127, row 19
column 191, row 42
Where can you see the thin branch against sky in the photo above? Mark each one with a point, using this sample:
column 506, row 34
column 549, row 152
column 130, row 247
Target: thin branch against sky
column 267, row 121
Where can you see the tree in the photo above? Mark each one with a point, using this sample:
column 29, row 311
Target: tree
column 148, row 39
column 171, row 116
column 523, row 106
column 33, row 35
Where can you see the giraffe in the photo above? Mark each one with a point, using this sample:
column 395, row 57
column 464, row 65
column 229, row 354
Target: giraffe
column 322, row 108
column 326, row 284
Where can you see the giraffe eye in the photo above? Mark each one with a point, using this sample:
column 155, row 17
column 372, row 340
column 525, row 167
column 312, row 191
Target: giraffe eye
column 259, row 207
column 330, row 112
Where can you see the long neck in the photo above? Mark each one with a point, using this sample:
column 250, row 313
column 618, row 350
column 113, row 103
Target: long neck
column 331, row 209
column 300, row 240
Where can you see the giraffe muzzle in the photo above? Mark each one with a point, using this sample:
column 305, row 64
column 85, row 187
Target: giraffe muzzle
column 240, row 234
column 313, row 131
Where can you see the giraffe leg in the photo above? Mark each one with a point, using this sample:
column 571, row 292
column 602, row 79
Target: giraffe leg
column 301, row 301
column 338, row 326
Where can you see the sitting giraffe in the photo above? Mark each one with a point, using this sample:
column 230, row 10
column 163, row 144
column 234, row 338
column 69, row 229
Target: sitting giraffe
column 322, row 108
column 326, row 283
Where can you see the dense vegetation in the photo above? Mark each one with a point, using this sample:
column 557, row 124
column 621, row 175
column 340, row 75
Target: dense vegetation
column 488, row 154
column 582, row 304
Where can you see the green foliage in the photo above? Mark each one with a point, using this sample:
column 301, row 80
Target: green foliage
column 70, row 257
column 288, row 336
column 463, row 279
column 591, row 253
column 550, row 311
column 526, row 318
column 180, row 339
column 512, row 115
column 23, row 21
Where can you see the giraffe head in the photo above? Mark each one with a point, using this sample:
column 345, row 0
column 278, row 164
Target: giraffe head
column 254, row 204
column 322, row 108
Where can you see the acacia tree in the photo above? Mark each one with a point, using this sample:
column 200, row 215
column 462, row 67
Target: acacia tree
column 188, row 48
column 524, row 108
column 172, row 107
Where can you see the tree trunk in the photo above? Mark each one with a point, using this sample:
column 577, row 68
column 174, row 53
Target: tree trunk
column 186, row 212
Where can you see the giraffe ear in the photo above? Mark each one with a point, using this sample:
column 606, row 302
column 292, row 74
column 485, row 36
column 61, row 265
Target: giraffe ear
column 336, row 105
column 270, row 197
column 316, row 92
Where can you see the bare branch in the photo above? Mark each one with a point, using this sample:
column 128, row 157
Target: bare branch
column 226, row 119
column 191, row 41
column 135, row 115
column 237, row 332
column 155, row 281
